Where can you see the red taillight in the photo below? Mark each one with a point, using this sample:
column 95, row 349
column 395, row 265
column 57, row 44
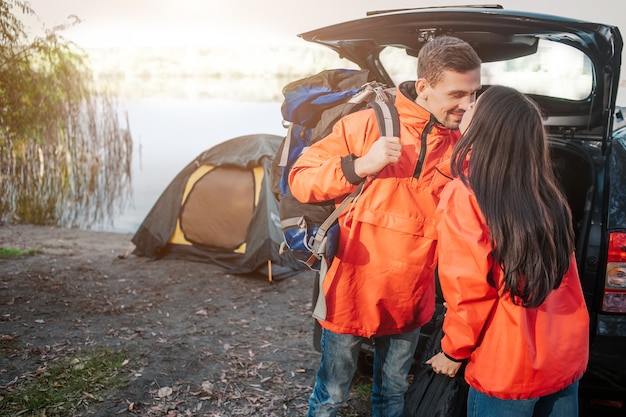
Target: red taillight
column 617, row 247
column 614, row 300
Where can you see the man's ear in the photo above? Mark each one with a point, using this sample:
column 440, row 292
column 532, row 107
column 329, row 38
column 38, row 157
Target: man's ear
column 421, row 85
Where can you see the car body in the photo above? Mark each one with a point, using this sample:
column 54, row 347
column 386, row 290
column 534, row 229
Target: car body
column 571, row 68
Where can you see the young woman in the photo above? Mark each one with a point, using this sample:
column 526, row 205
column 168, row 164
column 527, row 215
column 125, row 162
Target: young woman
column 516, row 311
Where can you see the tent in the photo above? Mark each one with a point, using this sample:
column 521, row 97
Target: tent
column 220, row 209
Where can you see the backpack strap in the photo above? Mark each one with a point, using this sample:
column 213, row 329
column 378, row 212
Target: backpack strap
column 284, row 154
column 320, row 240
column 387, row 118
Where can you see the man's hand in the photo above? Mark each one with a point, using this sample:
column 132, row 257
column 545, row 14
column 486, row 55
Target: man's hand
column 386, row 150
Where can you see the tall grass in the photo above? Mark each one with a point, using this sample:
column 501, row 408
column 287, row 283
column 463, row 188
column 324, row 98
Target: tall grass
column 65, row 153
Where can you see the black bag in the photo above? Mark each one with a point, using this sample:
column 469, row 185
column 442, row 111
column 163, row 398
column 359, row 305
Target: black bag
column 436, row 395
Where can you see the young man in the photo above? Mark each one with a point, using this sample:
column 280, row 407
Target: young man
column 380, row 284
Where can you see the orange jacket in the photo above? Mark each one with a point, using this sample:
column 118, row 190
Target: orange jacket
column 381, row 281
column 514, row 352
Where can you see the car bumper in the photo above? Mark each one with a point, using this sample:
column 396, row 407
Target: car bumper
column 603, row 387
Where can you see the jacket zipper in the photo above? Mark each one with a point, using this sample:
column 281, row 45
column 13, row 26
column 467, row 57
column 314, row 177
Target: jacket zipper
column 420, row 160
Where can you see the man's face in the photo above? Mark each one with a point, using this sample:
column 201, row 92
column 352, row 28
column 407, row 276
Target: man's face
column 450, row 97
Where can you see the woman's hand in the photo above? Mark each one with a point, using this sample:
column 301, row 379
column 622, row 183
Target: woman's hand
column 442, row 365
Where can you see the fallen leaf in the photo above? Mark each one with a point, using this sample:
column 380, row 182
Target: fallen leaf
column 90, row 395
column 165, row 392
column 207, row 386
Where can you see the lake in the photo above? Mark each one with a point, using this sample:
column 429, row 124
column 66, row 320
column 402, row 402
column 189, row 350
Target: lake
column 169, row 133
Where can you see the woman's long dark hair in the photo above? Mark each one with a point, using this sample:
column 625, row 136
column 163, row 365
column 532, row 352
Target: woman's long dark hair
column 510, row 172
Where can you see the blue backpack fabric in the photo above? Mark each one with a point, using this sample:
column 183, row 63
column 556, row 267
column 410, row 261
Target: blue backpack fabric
column 311, row 107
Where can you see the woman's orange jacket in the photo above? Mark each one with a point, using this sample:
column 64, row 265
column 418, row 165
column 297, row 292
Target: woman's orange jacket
column 513, row 352
column 381, row 281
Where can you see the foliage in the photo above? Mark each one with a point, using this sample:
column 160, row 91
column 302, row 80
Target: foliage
column 363, row 390
column 64, row 157
column 5, row 252
column 62, row 389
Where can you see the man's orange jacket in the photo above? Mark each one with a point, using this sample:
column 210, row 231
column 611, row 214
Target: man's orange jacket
column 514, row 352
column 381, row 281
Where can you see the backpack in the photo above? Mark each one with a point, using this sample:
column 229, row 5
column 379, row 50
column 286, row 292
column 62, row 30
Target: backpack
column 311, row 107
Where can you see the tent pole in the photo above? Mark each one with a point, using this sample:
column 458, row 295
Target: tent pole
column 269, row 269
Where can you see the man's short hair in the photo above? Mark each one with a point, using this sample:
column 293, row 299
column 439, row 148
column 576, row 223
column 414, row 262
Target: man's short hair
column 445, row 53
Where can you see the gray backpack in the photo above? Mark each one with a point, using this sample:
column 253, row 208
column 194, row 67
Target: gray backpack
column 311, row 108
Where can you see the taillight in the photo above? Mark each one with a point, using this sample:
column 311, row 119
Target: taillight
column 615, row 282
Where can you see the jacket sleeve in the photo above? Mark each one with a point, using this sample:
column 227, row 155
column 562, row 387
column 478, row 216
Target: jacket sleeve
column 464, row 261
column 318, row 174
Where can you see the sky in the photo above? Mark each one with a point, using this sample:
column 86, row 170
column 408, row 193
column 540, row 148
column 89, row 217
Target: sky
column 188, row 22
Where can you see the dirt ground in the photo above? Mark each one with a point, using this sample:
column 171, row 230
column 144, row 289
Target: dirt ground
column 200, row 342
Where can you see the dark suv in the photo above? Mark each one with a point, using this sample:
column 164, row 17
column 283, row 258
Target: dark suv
column 571, row 69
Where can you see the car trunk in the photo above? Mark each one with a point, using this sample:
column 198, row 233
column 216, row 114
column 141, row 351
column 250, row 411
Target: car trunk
column 575, row 173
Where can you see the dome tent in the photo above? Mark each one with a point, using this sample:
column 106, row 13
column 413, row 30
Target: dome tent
column 220, row 209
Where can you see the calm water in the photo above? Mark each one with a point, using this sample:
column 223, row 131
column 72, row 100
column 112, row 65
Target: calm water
column 169, row 133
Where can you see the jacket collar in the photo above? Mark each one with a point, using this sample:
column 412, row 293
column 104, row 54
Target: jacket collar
column 408, row 108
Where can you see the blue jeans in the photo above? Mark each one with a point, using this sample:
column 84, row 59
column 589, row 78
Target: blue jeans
column 393, row 356
column 563, row 403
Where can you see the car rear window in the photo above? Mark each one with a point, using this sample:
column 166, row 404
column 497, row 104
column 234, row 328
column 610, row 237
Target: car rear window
column 556, row 70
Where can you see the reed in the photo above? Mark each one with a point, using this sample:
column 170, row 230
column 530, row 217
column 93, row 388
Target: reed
column 65, row 149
